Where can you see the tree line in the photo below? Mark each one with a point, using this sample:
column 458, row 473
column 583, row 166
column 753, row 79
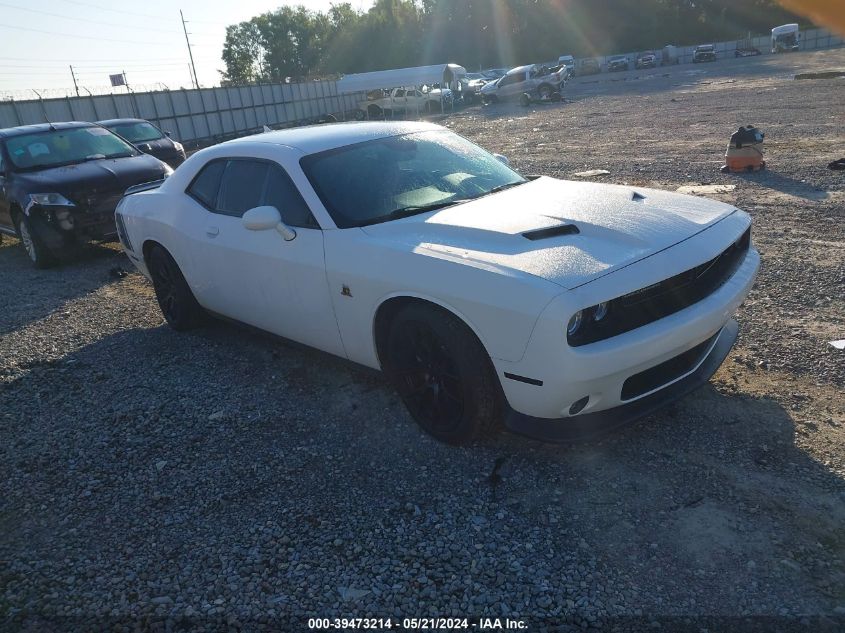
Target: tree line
column 296, row 43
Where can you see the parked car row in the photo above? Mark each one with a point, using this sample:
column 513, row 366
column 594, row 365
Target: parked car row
column 784, row 39
column 60, row 182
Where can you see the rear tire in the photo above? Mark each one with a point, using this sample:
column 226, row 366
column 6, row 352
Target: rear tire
column 443, row 374
column 38, row 253
column 177, row 302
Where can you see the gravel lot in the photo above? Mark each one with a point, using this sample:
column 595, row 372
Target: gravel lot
column 220, row 479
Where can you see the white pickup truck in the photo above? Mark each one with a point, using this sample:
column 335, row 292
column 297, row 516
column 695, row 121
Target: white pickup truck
column 405, row 100
column 537, row 79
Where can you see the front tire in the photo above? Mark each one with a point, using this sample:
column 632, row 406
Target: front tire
column 443, row 374
column 174, row 296
column 38, row 253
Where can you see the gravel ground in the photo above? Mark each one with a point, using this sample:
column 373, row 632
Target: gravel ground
column 220, row 479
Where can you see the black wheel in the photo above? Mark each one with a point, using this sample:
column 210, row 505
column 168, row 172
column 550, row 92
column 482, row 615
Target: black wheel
column 443, row 374
column 375, row 112
column 525, row 99
column 175, row 298
column 38, row 253
column 360, row 115
column 545, row 91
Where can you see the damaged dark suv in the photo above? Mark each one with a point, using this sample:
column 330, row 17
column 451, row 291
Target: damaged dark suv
column 60, row 184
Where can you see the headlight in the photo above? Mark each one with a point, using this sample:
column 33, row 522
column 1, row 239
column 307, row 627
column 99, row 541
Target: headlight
column 50, row 199
column 575, row 323
column 178, row 146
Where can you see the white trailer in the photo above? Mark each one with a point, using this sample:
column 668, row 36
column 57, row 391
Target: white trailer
column 383, row 87
column 785, row 38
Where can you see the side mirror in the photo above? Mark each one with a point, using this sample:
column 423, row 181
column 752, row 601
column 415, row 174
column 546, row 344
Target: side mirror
column 267, row 217
column 144, row 147
column 167, row 134
column 502, row 159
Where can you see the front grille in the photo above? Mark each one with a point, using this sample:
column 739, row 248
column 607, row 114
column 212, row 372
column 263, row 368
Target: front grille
column 665, row 372
column 666, row 297
column 103, row 202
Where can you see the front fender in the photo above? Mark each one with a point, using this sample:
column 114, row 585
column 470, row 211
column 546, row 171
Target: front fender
column 501, row 307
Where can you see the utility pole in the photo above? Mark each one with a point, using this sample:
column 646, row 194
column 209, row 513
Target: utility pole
column 190, row 53
column 75, row 86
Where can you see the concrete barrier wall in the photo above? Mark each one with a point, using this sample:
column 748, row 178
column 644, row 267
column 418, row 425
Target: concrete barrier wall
column 195, row 116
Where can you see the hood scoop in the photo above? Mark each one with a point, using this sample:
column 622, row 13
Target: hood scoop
column 552, row 231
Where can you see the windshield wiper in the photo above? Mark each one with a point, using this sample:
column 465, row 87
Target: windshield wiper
column 507, row 185
column 404, row 212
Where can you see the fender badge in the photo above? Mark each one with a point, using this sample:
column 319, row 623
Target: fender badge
column 345, row 291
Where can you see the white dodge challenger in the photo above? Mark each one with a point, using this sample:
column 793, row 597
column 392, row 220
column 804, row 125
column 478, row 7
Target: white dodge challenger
column 561, row 308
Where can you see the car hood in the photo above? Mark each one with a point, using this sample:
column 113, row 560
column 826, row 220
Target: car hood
column 617, row 226
column 160, row 145
column 96, row 176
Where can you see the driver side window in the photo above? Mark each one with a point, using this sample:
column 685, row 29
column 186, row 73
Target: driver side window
column 234, row 186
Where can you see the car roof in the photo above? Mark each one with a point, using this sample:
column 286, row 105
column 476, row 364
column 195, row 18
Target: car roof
column 311, row 139
column 520, row 69
column 41, row 127
column 108, row 122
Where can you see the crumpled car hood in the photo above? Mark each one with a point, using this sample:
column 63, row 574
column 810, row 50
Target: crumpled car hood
column 617, row 226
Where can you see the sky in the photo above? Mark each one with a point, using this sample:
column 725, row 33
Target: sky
column 39, row 39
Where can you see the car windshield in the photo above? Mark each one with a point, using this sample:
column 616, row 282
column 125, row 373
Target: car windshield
column 388, row 178
column 137, row 132
column 54, row 148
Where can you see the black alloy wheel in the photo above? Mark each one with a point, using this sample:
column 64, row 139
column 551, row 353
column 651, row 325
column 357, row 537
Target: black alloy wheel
column 443, row 374
column 175, row 298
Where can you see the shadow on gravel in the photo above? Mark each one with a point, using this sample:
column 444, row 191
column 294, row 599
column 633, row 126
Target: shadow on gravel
column 784, row 184
column 28, row 294
column 149, row 456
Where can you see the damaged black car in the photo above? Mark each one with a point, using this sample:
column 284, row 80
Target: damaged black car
column 60, row 184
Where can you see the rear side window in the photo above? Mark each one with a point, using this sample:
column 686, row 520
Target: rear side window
column 205, row 186
column 283, row 194
column 241, row 187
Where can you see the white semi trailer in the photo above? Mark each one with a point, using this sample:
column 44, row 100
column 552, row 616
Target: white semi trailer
column 785, row 38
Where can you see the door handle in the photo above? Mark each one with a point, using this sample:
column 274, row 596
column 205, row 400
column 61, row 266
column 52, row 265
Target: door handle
column 212, row 231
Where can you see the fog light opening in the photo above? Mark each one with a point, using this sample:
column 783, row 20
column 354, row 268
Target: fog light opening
column 579, row 405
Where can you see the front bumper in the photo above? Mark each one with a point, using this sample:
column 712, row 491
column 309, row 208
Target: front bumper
column 594, row 424
column 88, row 225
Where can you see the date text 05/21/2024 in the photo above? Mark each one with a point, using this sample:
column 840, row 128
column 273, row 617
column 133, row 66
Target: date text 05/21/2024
column 417, row 624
